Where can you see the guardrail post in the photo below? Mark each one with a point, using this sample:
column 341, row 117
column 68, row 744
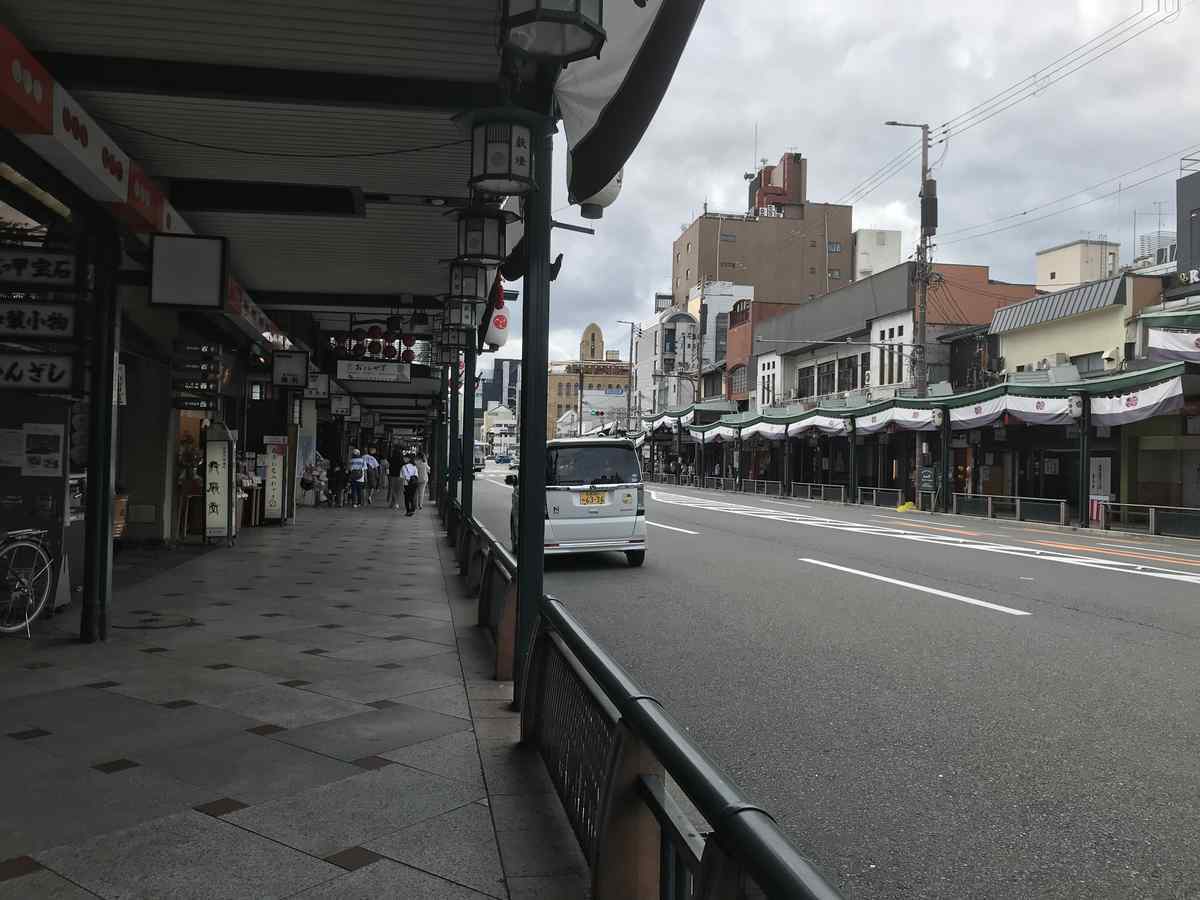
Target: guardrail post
column 1104, row 515
column 1153, row 520
column 990, row 511
column 627, row 856
column 1019, row 519
column 954, row 503
column 1062, row 512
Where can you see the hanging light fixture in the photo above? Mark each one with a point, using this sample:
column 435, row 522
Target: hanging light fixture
column 501, row 151
column 463, row 315
column 555, row 30
column 389, row 351
column 408, row 356
column 468, row 283
column 481, row 235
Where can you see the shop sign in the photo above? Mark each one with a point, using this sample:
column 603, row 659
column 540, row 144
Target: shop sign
column 21, row 267
column 355, row 414
column 194, row 386
column 143, row 207
column 1186, row 277
column 369, row 370
column 196, row 404
column 79, row 148
column 273, row 479
column 927, row 478
column 26, row 89
column 37, row 372
column 216, row 488
column 40, row 321
column 289, row 368
column 318, row 387
column 339, row 404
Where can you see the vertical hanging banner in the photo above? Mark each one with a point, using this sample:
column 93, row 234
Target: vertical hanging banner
column 216, row 489
column 276, row 464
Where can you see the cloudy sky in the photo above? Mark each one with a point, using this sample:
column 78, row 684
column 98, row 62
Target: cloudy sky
column 820, row 77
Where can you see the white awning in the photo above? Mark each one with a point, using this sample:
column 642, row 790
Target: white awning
column 824, row 424
column 1041, row 410
column 1156, row 400
column 770, row 430
column 1170, row 345
column 687, row 419
column 909, row 419
column 977, row 415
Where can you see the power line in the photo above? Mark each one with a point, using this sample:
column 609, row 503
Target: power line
column 1172, row 155
column 399, row 151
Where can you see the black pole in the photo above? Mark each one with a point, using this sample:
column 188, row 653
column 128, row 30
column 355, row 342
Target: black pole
column 947, row 453
column 1085, row 465
column 454, row 454
column 535, row 338
column 97, row 564
column 468, row 432
column 852, row 435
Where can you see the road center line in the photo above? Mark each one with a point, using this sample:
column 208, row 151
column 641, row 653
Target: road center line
column 670, row 527
column 919, row 587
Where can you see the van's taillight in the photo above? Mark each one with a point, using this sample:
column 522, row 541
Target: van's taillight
column 641, row 501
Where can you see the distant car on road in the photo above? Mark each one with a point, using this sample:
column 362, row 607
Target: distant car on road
column 595, row 500
column 503, row 459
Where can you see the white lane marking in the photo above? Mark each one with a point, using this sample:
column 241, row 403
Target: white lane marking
column 944, row 540
column 1148, row 548
column 670, row 527
column 920, row 587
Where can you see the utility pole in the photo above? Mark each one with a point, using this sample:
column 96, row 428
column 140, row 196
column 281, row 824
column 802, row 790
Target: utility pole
column 929, row 218
column 629, row 380
column 581, row 397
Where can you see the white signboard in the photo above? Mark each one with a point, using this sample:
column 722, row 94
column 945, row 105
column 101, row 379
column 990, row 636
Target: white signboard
column 187, row 271
column 35, row 269
column 273, row 478
column 45, row 447
column 373, row 370
column 339, row 404
column 36, row 372
column 289, row 368
column 43, row 321
column 318, row 387
column 355, row 413
column 216, row 489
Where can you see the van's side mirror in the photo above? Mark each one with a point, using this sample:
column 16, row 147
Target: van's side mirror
column 510, row 479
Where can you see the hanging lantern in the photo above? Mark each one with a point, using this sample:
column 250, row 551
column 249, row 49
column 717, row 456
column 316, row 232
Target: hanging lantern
column 408, row 340
column 465, row 316
column 387, row 337
column 468, row 283
column 501, row 152
column 481, row 235
column 389, row 351
column 375, row 348
column 555, row 30
column 408, row 356
column 358, row 349
column 374, row 332
column 358, row 334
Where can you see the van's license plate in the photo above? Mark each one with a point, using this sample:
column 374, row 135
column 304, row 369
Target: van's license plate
column 591, row 498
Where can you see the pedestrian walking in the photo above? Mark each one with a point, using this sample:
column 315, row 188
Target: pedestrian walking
column 409, row 473
column 358, row 478
column 395, row 478
column 374, row 474
column 422, row 478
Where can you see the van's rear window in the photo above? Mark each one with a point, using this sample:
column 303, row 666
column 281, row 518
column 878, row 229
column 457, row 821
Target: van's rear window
column 599, row 464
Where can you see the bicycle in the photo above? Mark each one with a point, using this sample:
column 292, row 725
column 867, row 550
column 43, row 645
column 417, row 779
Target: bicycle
column 26, row 576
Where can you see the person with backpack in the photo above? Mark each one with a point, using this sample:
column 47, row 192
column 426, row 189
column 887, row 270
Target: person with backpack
column 395, row 478
column 374, row 474
column 409, row 474
column 358, row 478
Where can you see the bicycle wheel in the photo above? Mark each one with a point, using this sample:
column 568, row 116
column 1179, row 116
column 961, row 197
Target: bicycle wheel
column 25, row 578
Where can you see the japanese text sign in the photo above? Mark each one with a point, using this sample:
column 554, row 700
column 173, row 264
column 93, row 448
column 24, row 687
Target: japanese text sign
column 37, row 320
column 37, row 372
column 20, row 267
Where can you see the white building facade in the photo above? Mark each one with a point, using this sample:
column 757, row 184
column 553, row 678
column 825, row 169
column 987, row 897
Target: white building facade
column 875, row 249
column 1079, row 262
column 718, row 298
column 665, row 358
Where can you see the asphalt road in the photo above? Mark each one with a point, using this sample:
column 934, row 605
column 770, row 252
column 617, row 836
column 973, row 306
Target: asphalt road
column 930, row 706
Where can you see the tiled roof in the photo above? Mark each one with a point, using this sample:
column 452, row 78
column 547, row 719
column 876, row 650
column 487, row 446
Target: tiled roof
column 1061, row 305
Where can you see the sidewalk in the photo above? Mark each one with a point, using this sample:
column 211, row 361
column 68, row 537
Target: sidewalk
column 309, row 714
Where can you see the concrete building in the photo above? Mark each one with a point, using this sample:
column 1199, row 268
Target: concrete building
column 500, row 428
column 716, row 299
column 875, row 250
column 1155, row 244
column 785, row 247
column 502, row 384
column 664, row 362
column 593, row 370
column 1077, row 263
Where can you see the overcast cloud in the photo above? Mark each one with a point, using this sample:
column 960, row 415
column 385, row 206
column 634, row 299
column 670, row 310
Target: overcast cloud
column 822, row 76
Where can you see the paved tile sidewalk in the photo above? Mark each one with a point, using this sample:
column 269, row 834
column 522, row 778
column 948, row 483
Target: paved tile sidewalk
column 308, row 714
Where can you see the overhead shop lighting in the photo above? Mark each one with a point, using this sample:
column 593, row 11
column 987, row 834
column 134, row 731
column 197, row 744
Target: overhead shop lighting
column 555, row 30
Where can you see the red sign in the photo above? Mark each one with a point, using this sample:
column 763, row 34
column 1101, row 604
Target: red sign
column 500, row 321
column 27, row 94
column 143, row 210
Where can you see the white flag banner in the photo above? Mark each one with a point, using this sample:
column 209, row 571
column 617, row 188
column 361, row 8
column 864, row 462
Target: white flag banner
column 914, row 419
column 873, row 423
column 772, row 431
column 722, row 433
column 687, row 419
column 1174, row 345
column 824, row 424
column 1041, row 410
column 976, row 415
column 1156, row 400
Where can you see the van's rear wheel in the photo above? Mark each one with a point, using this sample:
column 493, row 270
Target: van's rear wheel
column 635, row 557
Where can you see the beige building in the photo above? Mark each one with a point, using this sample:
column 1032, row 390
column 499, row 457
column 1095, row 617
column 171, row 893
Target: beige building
column 1079, row 262
column 593, row 370
column 1090, row 326
column 787, row 248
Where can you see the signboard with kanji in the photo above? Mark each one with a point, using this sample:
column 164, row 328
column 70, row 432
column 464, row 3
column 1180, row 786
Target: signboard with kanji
column 31, row 269
column 216, row 488
column 339, row 404
column 373, row 370
column 273, row 480
column 47, row 372
column 318, row 387
column 38, row 321
column 289, row 368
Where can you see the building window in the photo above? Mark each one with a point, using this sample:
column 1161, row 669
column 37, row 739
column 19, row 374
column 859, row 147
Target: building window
column 835, row 273
column 899, row 364
column 812, row 244
column 804, row 382
column 728, row 265
column 737, row 380
column 728, row 236
column 1052, row 275
column 864, row 375
column 560, row 389
column 834, row 246
column 1089, row 362
column 891, row 364
column 900, row 331
column 688, row 275
column 825, row 378
column 891, row 333
column 882, row 356
column 812, row 270
column 689, row 246
column 847, row 376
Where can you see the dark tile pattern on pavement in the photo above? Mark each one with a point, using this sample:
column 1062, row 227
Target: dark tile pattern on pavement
column 275, row 744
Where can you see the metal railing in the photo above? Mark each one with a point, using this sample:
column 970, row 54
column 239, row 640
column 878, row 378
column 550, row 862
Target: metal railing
column 610, row 748
column 1169, row 521
column 807, row 490
column 873, row 496
column 1020, row 509
column 611, row 751
column 762, row 486
column 927, row 500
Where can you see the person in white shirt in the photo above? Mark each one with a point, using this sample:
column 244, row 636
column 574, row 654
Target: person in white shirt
column 409, row 474
column 422, row 478
column 374, row 474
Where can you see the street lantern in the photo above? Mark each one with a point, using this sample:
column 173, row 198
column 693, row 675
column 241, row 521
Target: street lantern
column 468, row 283
column 455, row 338
column 463, row 315
column 555, row 30
column 501, row 152
column 481, row 235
